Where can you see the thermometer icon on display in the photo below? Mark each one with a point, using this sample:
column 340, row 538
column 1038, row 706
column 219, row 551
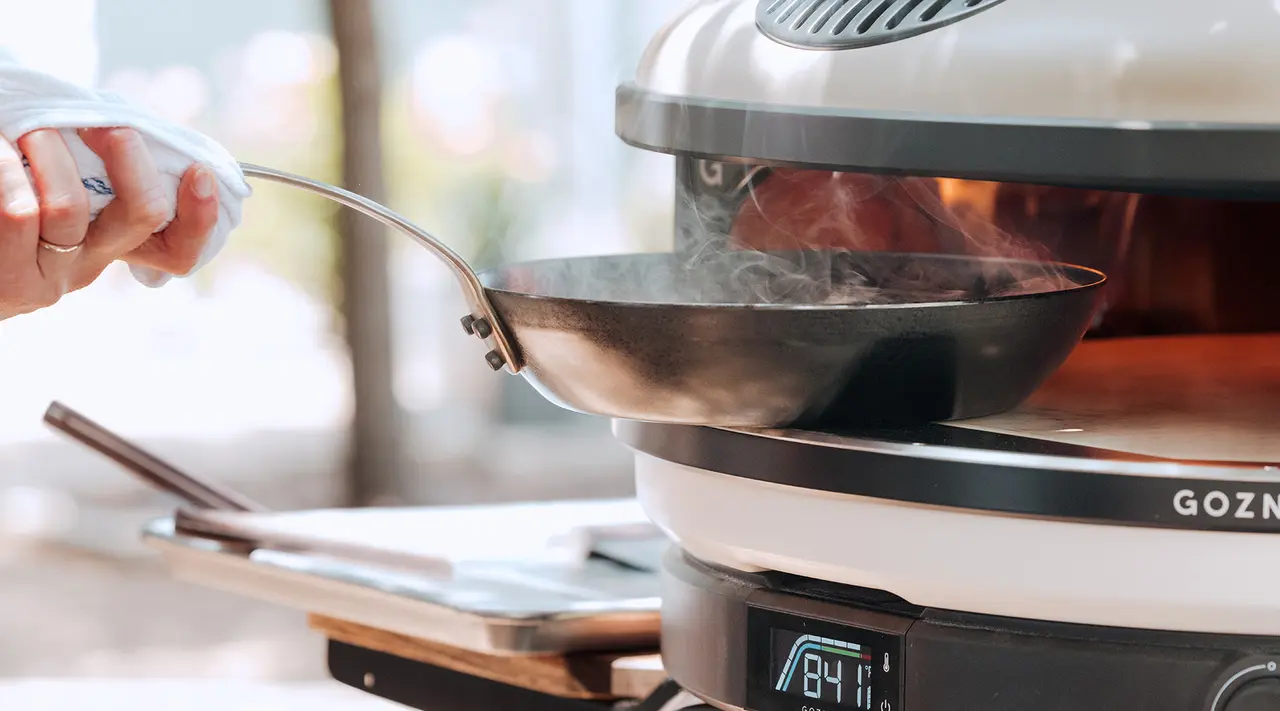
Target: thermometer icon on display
column 886, row 662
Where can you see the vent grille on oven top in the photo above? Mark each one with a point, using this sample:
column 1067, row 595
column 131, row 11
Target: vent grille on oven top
column 846, row 24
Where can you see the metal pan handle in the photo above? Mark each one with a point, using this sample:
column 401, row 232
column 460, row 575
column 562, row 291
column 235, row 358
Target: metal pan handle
column 483, row 321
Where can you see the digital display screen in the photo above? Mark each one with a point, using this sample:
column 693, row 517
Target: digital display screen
column 821, row 668
column 802, row 664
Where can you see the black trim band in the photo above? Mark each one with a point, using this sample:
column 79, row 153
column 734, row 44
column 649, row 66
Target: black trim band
column 1235, row 160
column 1245, row 498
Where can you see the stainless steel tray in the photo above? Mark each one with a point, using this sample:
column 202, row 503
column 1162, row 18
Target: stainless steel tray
column 493, row 606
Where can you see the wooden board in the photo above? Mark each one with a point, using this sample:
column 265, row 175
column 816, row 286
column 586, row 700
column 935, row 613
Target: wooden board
column 637, row 677
column 1198, row 398
column 601, row 675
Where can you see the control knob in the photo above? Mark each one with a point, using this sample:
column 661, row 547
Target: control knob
column 1259, row 695
column 1249, row 685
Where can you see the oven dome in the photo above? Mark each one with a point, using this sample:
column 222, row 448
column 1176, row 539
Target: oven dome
column 1114, row 60
column 1173, row 94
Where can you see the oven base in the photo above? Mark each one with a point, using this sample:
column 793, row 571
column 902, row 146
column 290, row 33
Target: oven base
column 979, row 562
column 954, row 660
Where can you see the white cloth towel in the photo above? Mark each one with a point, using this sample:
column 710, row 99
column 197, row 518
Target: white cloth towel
column 31, row 100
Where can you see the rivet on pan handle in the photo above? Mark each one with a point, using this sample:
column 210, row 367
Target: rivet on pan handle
column 483, row 320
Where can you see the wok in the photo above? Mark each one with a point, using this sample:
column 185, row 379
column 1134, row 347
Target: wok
column 744, row 339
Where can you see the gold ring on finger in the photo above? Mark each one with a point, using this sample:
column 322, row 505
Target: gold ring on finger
column 60, row 248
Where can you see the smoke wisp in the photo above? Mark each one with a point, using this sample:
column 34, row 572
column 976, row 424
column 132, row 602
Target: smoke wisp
column 822, row 238
column 825, row 237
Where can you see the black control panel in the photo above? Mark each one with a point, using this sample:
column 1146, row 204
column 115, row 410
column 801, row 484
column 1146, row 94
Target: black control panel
column 994, row 664
column 1249, row 685
column 768, row 642
column 799, row 663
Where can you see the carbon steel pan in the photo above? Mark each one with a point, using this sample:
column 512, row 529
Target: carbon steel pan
column 666, row 341
column 751, row 339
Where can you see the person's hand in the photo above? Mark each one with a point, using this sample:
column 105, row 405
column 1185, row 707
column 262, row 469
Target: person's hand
column 49, row 247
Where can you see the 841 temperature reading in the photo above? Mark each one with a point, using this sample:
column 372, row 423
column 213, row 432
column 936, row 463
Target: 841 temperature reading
column 813, row 678
column 818, row 667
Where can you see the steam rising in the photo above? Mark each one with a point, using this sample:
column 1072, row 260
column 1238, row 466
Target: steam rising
column 837, row 220
column 816, row 238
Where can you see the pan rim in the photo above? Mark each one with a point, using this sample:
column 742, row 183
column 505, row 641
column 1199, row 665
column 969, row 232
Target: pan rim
column 1100, row 279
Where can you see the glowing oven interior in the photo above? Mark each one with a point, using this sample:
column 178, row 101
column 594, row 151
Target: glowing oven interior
column 1176, row 264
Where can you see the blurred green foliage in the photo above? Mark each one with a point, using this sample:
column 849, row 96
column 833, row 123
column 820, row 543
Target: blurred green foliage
column 286, row 230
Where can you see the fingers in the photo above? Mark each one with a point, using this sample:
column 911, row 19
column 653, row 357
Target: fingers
column 64, row 206
column 19, row 212
column 50, row 208
column 22, row 288
column 177, row 249
column 141, row 204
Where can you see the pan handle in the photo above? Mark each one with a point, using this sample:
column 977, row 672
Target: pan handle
column 483, row 321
